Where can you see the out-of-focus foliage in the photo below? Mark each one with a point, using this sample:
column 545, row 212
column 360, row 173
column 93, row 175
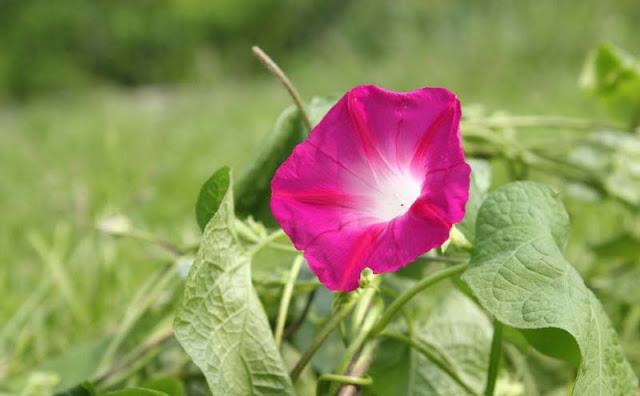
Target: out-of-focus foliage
column 613, row 76
column 201, row 101
column 47, row 45
column 75, row 44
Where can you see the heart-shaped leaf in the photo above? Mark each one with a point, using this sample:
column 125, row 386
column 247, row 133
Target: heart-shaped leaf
column 518, row 273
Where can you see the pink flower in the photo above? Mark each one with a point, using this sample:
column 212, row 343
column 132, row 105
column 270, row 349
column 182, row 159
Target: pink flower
column 380, row 180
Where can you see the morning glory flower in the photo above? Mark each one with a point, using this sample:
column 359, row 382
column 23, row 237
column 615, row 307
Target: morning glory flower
column 380, row 180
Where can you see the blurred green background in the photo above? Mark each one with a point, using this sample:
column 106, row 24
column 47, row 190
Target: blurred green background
column 113, row 106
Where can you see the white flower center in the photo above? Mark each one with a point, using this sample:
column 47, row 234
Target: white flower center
column 396, row 195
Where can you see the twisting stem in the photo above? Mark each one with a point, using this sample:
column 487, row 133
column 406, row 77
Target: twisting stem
column 321, row 337
column 286, row 299
column 352, row 354
column 399, row 302
column 494, row 358
column 360, row 367
column 359, row 354
column 275, row 69
column 321, row 388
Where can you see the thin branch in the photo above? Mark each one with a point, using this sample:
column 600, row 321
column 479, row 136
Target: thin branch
column 321, row 387
column 359, row 368
column 269, row 239
column 275, row 69
column 305, row 311
column 322, row 336
column 152, row 343
column 399, row 302
column 442, row 259
column 494, row 358
column 286, row 298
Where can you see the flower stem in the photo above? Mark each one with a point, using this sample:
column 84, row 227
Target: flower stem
column 442, row 259
column 275, row 69
column 360, row 367
column 342, row 379
column 431, row 356
column 351, row 356
column 494, row 358
column 321, row 337
column 286, row 298
column 266, row 241
column 399, row 302
column 284, row 248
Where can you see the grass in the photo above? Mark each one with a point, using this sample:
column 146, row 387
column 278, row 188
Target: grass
column 69, row 159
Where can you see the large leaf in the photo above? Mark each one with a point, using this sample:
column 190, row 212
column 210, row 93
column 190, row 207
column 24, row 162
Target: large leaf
column 458, row 332
column 221, row 323
column 518, row 273
column 613, row 77
column 211, row 195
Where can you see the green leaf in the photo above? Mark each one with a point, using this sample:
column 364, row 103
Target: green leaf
column 518, row 273
column 253, row 190
column 168, row 385
column 478, row 189
column 221, row 323
column 621, row 284
column 136, row 392
column 613, row 77
column 306, row 383
column 324, row 360
column 615, row 158
column 390, row 369
column 463, row 340
column 84, row 389
column 318, row 107
column 76, row 364
column 458, row 332
column 622, row 247
column 211, row 195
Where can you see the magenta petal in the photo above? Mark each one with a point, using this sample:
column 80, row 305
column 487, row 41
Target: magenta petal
column 448, row 202
column 383, row 247
column 380, row 181
column 338, row 257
